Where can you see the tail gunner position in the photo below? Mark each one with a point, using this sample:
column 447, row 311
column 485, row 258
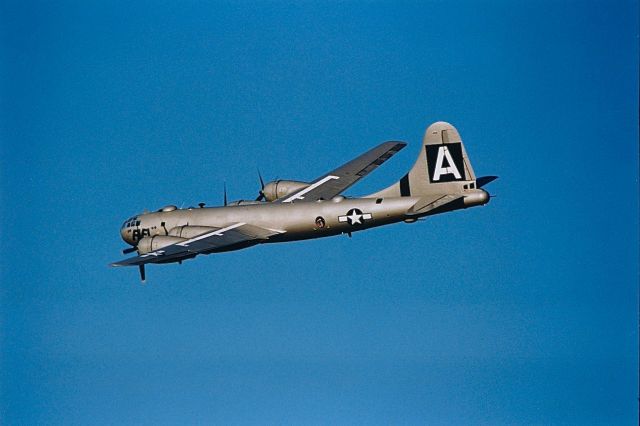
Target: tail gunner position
column 440, row 181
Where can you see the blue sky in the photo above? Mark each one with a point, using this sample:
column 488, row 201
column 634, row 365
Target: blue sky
column 520, row 312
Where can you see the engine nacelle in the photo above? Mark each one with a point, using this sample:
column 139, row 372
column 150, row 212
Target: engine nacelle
column 149, row 244
column 187, row 231
column 281, row 188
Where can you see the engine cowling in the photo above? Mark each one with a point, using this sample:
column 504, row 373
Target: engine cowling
column 281, row 188
column 149, row 244
column 187, row 231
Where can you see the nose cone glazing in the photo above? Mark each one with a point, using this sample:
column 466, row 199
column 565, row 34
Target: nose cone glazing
column 126, row 231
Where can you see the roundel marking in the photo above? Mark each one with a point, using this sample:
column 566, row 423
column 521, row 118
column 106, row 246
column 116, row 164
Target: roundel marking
column 355, row 217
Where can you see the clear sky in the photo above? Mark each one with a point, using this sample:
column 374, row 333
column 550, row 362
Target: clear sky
column 520, row 312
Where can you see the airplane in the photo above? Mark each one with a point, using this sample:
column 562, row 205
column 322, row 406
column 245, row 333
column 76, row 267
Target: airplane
column 441, row 180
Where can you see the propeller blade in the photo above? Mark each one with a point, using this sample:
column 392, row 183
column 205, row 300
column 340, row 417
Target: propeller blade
column 261, row 196
column 129, row 250
column 225, row 193
column 261, row 180
column 143, row 276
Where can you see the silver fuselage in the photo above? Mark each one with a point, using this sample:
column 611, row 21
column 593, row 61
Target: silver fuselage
column 296, row 221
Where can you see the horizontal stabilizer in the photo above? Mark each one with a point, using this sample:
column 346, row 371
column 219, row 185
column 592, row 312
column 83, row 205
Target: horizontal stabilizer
column 482, row 181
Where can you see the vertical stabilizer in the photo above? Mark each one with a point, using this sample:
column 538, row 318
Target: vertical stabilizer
column 442, row 167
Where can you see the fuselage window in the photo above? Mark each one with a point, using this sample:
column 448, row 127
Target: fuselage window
column 379, row 201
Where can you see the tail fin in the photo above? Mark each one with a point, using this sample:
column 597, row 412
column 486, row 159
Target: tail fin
column 443, row 166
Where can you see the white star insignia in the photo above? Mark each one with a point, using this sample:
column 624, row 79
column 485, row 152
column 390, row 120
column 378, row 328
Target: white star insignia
column 355, row 218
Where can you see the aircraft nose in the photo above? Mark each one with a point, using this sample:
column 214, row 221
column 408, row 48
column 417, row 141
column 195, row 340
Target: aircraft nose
column 125, row 234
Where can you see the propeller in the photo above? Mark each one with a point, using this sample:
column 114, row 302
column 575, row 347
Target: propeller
column 261, row 196
column 225, row 193
column 143, row 275
column 129, row 250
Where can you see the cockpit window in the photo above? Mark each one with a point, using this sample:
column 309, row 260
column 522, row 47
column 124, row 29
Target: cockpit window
column 132, row 221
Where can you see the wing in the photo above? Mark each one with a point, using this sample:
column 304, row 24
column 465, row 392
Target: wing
column 333, row 183
column 235, row 235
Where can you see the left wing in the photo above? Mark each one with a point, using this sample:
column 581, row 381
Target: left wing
column 333, row 183
column 217, row 240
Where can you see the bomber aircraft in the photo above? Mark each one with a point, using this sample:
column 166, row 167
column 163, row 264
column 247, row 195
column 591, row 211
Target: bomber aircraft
column 442, row 180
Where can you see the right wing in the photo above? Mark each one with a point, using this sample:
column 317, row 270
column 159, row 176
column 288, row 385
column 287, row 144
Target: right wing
column 338, row 180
